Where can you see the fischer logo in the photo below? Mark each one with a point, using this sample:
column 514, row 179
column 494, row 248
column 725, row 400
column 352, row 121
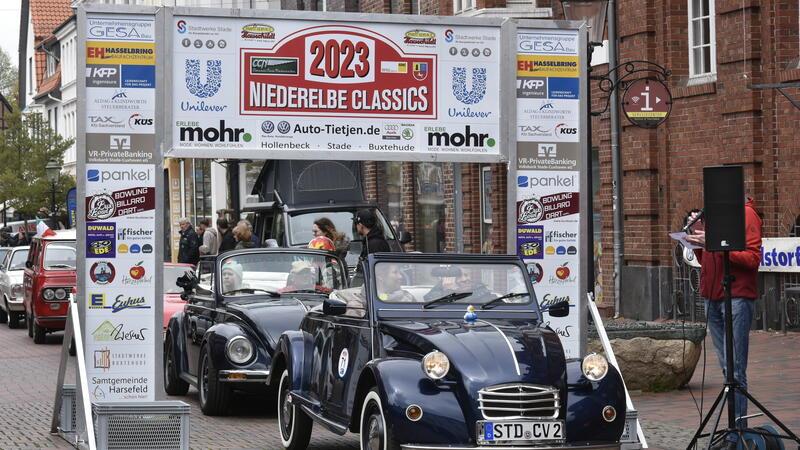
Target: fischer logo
column 191, row 132
column 437, row 137
column 134, row 234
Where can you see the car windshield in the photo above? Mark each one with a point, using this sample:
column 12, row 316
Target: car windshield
column 3, row 253
column 433, row 284
column 279, row 273
column 59, row 255
column 18, row 259
column 301, row 225
column 171, row 275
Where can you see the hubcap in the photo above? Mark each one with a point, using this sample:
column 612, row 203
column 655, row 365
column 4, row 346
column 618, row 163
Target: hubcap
column 375, row 431
column 204, row 380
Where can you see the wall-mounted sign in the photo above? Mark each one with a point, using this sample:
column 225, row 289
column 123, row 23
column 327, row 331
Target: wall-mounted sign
column 647, row 103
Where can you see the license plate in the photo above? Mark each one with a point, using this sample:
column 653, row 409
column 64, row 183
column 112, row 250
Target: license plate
column 540, row 430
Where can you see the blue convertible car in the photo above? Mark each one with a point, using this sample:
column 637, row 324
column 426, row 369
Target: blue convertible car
column 238, row 305
column 442, row 352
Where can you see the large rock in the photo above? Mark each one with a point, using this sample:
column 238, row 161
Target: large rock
column 653, row 364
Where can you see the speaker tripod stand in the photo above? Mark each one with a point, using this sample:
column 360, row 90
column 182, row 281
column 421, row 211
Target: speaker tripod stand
column 727, row 396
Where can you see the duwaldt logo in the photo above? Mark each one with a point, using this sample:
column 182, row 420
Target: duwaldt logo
column 181, row 26
column 220, row 134
column 478, row 91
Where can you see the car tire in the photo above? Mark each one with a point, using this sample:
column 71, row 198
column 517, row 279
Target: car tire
column 4, row 315
column 373, row 432
column 214, row 395
column 294, row 424
column 14, row 319
column 39, row 332
column 29, row 323
column 173, row 384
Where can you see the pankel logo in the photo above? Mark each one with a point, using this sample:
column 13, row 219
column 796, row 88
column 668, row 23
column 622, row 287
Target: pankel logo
column 548, row 181
column 213, row 78
column 118, row 175
column 478, row 83
column 219, row 134
column 465, row 139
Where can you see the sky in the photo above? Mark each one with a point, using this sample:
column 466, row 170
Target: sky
column 9, row 24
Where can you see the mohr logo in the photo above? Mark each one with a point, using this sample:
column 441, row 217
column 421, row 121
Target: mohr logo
column 220, row 134
column 465, row 139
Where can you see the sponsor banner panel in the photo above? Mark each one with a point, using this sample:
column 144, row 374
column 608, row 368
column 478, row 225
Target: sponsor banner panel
column 780, row 255
column 548, row 155
column 119, row 263
column 256, row 86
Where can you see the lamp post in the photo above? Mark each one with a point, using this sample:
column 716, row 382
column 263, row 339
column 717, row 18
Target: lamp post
column 594, row 12
column 53, row 171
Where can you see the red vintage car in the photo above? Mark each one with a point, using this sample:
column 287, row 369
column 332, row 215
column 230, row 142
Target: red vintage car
column 48, row 282
column 172, row 293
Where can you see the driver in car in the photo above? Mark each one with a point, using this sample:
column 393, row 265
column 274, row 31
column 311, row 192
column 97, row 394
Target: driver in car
column 232, row 273
column 390, row 285
column 303, row 278
column 455, row 280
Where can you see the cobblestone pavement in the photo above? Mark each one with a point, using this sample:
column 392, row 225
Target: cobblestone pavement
column 28, row 375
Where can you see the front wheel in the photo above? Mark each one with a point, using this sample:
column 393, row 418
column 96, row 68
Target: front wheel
column 374, row 434
column 173, row 384
column 39, row 333
column 29, row 323
column 213, row 394
column 4, row 315
column 295, row 425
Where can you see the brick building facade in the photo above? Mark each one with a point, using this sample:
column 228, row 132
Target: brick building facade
column 716, row 50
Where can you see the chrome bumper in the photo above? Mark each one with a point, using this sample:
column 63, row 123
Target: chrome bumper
column 243, row 376
column 506, row 447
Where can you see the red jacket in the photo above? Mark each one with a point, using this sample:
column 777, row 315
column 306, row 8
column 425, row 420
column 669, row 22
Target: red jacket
column 744, row 264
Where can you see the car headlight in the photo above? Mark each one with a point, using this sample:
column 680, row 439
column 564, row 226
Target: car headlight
column 61, row 294
column 594, row 367
column 435, row 365
column 239, row 350
column 48, row 294
column 17, row 291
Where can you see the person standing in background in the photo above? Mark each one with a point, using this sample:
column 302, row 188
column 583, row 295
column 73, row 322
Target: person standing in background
column 210, row 237
column 189, row 245
column 226, row 240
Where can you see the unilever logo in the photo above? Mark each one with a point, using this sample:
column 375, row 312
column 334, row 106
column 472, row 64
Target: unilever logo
column 478, row 91
column 213, row 78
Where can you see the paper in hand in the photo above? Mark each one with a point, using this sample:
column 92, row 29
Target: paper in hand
column 680, row 236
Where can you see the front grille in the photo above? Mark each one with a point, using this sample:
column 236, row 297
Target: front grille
column 519, row 401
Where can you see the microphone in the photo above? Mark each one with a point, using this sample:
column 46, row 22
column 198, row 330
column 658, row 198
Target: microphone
column 693, row 221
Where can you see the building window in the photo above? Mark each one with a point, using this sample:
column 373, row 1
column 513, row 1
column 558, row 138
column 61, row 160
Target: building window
column 486, row 209
column 461, row 6
column 430, row 233
column 392, row 203
column 249, row 172
column 702, row 39
column 197, row 188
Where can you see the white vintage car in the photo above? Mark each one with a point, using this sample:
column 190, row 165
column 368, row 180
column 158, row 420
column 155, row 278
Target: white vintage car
column 12, row 270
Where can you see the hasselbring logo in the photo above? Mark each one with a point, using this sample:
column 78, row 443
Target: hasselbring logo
column 478, row 91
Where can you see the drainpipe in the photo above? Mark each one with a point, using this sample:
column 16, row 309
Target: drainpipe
column 616, row 161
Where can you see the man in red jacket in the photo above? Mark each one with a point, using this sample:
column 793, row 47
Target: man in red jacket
column 744, row 290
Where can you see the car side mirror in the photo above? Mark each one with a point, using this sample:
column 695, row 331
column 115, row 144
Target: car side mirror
column 184, row 296
column 334, row 306
column 188, row 281
column 29, row 264
column 559, row 309
column 405, row 237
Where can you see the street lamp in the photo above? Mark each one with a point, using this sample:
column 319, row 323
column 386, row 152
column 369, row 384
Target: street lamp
column 53, row 171
column 593, row 12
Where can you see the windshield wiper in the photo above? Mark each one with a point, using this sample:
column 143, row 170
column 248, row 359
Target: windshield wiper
column 449, row 298
column 497, row 300
column 60, row 266
column 252, row 291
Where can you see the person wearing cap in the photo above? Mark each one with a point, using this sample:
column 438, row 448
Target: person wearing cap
column 232, row 273
column 367, row 226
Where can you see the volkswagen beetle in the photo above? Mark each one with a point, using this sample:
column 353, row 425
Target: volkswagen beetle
column 238, row 304
column 442, row 352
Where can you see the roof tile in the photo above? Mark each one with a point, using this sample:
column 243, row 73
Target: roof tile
column 46, row 15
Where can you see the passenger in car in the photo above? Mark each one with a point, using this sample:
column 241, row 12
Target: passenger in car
column 390, row 284
column 232, row 273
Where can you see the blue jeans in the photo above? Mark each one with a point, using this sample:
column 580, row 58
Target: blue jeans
column 743, row 310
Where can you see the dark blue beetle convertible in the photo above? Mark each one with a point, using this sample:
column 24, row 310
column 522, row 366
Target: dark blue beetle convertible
column 238, row 305
column 442, row 352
